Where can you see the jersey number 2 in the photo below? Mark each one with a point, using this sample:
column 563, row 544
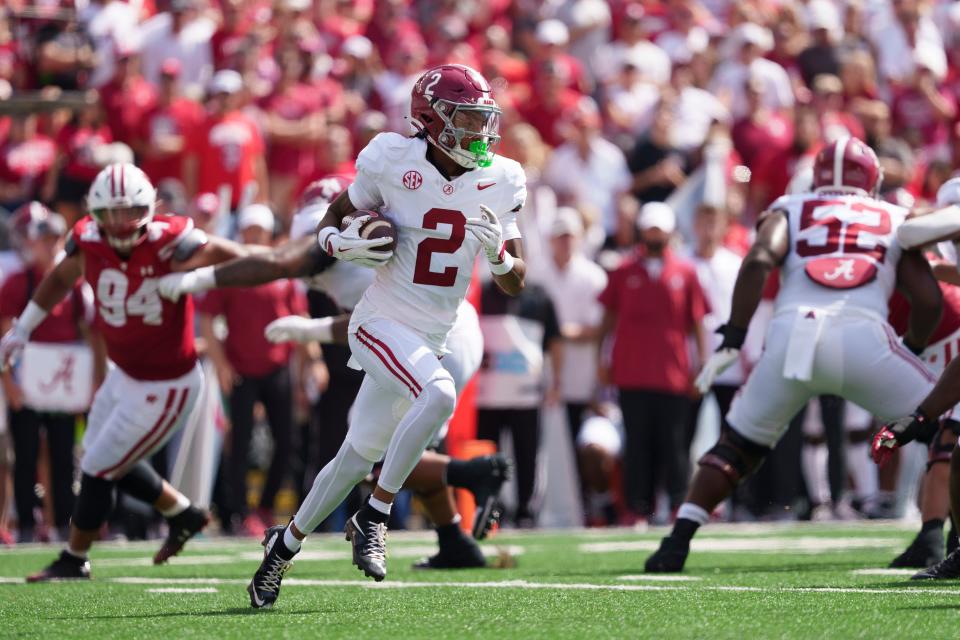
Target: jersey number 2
column 425, row 250
column 115, row 306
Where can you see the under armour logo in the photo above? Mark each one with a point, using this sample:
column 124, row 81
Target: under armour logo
column 63, row 375
column 844, row 270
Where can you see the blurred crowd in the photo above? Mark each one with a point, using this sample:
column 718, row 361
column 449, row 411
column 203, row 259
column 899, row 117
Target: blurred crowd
column 652, row 134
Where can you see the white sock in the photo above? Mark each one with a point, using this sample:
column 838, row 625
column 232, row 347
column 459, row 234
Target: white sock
column 690, row 511
column 331, row 486
column 380, row 505
column 813, row 460
column 178, row 507
column 81, row 555
column 290, row 541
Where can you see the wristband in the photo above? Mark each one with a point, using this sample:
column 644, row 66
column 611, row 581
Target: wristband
column 206, row 278
column 323, row 238
column 733, row 337
column 31, row 317
column 503, row 267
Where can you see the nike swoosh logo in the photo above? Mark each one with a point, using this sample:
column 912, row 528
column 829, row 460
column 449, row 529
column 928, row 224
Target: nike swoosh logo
column 481, row 187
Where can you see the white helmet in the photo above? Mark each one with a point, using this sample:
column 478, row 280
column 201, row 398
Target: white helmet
column 121, row 200
column 949, row 192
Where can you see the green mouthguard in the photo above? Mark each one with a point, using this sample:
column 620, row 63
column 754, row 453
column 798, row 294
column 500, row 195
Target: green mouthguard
column 479, row 149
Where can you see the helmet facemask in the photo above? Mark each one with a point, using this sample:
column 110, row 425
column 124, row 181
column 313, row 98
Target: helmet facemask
column 123, row 227
column 476, row 123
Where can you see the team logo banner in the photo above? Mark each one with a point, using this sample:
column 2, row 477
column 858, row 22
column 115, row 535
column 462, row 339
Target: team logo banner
column 57, row 377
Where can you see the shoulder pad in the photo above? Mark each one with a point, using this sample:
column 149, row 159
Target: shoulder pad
column 379, row 151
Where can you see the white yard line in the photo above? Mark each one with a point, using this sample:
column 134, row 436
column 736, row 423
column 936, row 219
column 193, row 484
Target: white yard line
column 661, row 577
column 884, row 572
column 803, row 544
column 525, row 584
column 183, row 590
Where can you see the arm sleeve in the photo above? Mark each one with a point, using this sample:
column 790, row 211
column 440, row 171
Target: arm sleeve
column 364, row 191
column 699, row 305
column 551, row 327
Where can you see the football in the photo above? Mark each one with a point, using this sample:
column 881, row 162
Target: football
column 378, row 226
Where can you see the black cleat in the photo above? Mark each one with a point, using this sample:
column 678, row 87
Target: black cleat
column 493, row 471
column 264, row 589
column 182, row 527
column 461, row 552
column 670, row 557
column 925, row 551
column 946, row 569
column 952, row 541
column 369, row 540
column 65, row 567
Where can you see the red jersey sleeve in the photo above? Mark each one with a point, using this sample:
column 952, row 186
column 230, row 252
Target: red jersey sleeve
column 12, row 295
column 610, row 296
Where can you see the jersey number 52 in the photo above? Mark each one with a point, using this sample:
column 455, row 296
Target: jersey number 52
column 425, row 250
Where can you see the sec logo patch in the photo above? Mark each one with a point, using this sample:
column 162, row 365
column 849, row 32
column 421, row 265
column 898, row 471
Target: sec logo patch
column 412, row 180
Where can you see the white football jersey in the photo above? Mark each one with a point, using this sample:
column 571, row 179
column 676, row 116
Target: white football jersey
column 843, row 252
column 427, row 278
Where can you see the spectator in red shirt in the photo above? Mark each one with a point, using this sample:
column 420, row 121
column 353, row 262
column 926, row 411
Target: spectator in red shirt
column 653, row 304
column 41, row 239
column 774, row 169
column 924, row 110
column 167, row 128
column 127, row 98
column 293, row 125
column 25, row 158
column 552, row 38
column 78, row 144
column 228, row 39
column 251, row 370
column 226, row 154
column 551, row 102
column 763, row 130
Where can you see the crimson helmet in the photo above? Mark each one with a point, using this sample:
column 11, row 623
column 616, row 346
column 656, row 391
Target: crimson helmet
column 32, row 220
column 326, row 189
column 847, row 165
column 453, row 104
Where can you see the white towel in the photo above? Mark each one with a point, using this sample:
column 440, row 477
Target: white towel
column 802, row 347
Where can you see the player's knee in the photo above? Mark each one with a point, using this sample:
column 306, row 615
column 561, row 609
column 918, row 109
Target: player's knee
column 142, row 482
column 441, row 397
column 94, row 503
column 735, row 456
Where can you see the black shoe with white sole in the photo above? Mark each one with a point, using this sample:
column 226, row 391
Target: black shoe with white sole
column 947, row 569
column 670, row 557
column 925, row 551
column 457, row 551
column 484, row 477
column 181, row 528
column 264, row 589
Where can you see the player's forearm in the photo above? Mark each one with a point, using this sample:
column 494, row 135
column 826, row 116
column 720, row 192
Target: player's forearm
column 945, row 394
column 748, row 290
column 512, row 282
column 291, row 260
column 923, row 321
column 57, row 284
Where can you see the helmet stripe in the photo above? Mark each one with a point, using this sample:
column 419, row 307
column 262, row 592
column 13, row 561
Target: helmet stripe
column 113, row 187
column 122, row 191
column 838, row 151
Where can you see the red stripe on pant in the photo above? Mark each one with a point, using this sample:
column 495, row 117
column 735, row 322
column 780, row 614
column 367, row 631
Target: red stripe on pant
column 158, row 426
column 369, row 345
column 410, row 378
column 897, row 347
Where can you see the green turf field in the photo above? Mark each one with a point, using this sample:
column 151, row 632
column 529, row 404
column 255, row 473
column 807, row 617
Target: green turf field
column 746, row 582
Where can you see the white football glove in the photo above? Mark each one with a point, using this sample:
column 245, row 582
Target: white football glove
column 11, row 346
column 719, row 361
column 174, row 285
column 296, row 329
column 348, row 245
column 488, row 231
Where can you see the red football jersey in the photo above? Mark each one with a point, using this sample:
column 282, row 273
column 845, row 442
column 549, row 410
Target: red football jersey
column 148, row 337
